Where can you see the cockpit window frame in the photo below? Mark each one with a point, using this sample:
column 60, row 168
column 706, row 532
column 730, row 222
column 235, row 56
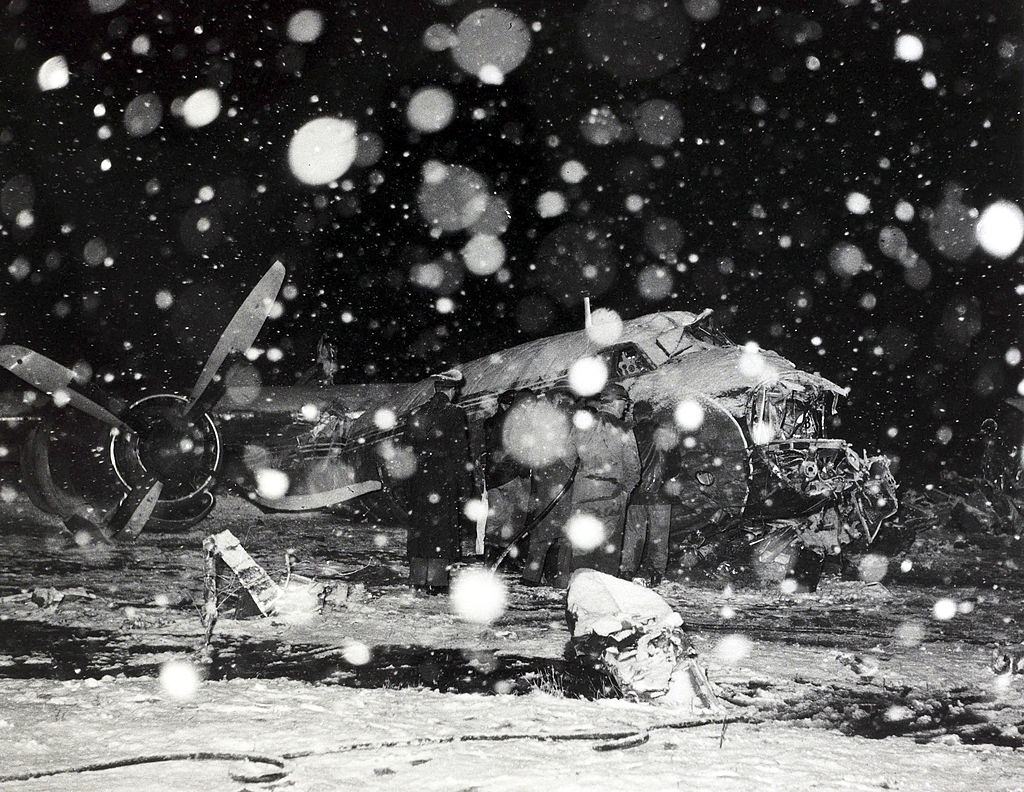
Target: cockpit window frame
column 612, row 357
column 705, row 330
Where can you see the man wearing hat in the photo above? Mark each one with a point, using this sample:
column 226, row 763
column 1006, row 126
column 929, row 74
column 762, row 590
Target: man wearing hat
column 439, row 434
column 648, row 517
column 609, row 469
column 550, row 492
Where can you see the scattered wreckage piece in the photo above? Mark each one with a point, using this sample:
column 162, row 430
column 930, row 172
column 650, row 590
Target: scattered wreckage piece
column 846, row 498
column 124, row 523
column 974, row 508
column 812, row 495
column 630, row 634
column 339, row 594
column 983, row 505
column 262, row 592
column 863, row 665
column 47, row 597
column 811, row 498
column 1007, row 662
column 317, row 500
column 260, row 595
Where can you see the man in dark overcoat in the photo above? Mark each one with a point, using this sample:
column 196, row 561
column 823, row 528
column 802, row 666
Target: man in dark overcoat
column 551, row 491
column 438, row 432
column 609, row 469
column 648, row 517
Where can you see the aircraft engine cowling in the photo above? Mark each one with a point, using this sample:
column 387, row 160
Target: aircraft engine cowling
column 707, row 474
column 108, row 468
column 68, row 467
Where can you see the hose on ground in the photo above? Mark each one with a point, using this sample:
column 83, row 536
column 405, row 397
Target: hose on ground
column 607, row 741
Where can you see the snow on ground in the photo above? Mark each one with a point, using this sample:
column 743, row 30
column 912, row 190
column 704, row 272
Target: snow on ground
column 825, row 674
column 71, row 722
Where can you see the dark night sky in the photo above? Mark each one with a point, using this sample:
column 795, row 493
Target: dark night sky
column 786, row 109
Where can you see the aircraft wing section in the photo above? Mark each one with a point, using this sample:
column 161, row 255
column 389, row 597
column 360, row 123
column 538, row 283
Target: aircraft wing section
column 319, row 500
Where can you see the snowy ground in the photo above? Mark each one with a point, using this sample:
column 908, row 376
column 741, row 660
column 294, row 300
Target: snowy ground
column 79, row 680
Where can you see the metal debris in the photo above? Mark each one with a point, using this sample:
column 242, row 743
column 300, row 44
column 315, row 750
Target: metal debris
column 633, row 636
column 262, row 590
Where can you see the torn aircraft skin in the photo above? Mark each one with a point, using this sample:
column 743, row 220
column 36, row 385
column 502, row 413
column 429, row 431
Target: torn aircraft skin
column 744, row 431
column 746, row 434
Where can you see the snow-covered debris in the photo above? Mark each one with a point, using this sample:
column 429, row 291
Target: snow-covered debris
column 632, row 635
column 264, row 592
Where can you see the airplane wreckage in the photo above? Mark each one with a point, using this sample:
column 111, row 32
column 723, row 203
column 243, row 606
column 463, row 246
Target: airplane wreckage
column 751, row 467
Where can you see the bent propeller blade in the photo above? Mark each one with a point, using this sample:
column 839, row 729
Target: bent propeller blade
column 242, row 330
column 133, row 512
column 49, row 376
column 318, row 500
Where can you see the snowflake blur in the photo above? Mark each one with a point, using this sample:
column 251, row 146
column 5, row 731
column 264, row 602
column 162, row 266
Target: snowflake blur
column 478, row 595
column 584, row 532
column 180, row 680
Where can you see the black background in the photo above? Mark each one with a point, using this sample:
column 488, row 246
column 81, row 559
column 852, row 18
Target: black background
column 769, row 148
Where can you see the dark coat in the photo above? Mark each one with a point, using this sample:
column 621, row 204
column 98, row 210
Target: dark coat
column 438, row 432
column 609, row 469
column 652, row 465
column 609, row 461
column 500, row 467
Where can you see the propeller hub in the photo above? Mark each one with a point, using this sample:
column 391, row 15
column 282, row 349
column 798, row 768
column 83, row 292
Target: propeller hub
column 167, row 445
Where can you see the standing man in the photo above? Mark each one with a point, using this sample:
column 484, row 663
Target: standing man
column 508, row 480
column 645, row 548
column 550, row 491
column 439, row 434
column 326, row 360
column 609, row 469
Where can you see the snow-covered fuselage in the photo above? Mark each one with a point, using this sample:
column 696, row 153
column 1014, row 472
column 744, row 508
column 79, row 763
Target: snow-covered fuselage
column 755, row 447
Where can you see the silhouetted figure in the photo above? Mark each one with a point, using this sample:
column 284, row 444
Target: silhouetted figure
column 326, row 360
column 439, row 434
column 645, row 546
column 609, row 469
column 508, row 481
column 994, row 458
column 550, row 486
column 499, row 467
column 326, row 366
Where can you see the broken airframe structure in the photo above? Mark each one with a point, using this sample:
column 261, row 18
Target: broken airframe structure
column 757, row 464
column 757, row 468
column 108, row 467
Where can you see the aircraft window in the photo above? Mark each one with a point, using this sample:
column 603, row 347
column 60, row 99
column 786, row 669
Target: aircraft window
column 627, row 361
